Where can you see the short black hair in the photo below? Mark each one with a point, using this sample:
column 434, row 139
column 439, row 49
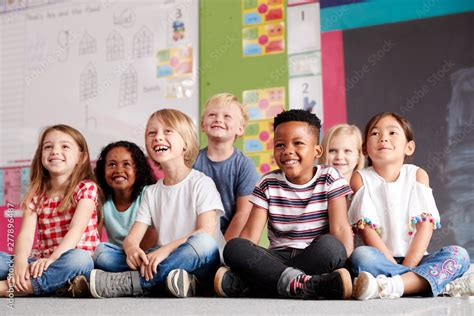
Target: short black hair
column 143, row 173
column 299, row 116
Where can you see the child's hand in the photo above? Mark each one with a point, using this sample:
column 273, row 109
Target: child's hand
column 136, row 257
column 154, row 258
column 40, row 265
column 21, row 275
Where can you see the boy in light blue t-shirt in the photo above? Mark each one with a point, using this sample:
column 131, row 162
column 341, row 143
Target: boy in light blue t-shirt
column 223, row 120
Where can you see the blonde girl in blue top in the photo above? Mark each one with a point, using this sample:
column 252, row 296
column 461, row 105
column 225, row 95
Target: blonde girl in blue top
column 394, row 210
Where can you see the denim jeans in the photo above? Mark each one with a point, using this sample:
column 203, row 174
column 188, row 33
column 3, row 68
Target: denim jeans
column 262, row 268
column 110, row 257
column 199, row 255
column 438, row 268
column 72, row 263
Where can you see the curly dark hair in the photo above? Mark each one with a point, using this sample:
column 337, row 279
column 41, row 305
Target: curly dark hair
column 299, row 116
column 143, row 173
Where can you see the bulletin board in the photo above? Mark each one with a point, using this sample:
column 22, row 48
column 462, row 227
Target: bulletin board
column 100, row 66
column 224, row 66
column 248, row 58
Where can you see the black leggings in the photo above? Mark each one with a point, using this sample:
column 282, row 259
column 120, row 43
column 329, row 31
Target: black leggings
column 262, row 268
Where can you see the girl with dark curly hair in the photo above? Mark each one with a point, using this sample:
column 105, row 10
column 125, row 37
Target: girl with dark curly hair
column 122, row 172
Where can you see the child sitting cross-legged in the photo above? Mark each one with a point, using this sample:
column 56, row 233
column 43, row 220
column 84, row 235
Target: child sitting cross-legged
column 306, row 212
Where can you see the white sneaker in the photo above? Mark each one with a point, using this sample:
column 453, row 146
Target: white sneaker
column 464, row 286
column 367, row 287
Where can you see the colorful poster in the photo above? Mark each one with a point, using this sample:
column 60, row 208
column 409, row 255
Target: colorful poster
column 174, row 61
column 262, row 11
column 264, row 162
column 258, row 136
column 264, row 103
column 263, row 39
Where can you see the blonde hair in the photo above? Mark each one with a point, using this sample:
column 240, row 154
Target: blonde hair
column 225, row 99
column 343, row 129
column 40, row 179
column 185, row 128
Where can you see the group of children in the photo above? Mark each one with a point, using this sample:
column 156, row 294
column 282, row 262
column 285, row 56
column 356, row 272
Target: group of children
column 196, row 231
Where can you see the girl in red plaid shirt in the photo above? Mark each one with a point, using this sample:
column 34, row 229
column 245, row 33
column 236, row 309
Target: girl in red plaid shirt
column 62, row 204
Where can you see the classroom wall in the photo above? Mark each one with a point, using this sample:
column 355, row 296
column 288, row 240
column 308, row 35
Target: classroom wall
column 222, row 65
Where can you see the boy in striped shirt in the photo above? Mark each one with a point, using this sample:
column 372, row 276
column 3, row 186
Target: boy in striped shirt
column 309, row 232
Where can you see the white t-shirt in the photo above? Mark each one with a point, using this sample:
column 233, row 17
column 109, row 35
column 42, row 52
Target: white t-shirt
column 173, row 209
column 393, row 208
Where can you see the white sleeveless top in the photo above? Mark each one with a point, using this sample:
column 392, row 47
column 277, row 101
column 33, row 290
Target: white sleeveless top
column 394, row 208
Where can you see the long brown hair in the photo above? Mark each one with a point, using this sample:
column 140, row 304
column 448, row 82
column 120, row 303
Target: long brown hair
column 40, row 179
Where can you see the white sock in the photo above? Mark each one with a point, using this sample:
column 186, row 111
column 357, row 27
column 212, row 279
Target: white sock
column 397, row 285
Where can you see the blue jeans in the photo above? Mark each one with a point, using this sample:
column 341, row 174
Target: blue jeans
column 438, row 268
column 72, row 263
column 199, row 255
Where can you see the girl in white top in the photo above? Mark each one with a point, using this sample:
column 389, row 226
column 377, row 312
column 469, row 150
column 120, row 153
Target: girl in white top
column 394, row 210
column 184, row 207
column 342, row 148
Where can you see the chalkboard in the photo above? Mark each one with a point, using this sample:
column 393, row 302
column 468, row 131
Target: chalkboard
column 100, row 66
column 424, row 70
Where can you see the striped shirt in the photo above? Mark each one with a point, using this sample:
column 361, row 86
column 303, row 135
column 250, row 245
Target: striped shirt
column 298, row 213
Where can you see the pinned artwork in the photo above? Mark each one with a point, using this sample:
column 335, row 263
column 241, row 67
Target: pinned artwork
column 262, row 11
column 174, row 61
column 258, row 136
column 263, row 39
column 264, row 103
column 264, row 162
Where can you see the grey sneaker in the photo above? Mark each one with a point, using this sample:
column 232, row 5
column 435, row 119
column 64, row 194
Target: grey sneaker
column 115, row 284
column 180, row 283
column 77, row 287
column 464, row 286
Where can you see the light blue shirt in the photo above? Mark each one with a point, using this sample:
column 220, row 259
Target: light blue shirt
column 117, row 224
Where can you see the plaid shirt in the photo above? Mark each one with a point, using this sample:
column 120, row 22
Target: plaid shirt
column 53, row 225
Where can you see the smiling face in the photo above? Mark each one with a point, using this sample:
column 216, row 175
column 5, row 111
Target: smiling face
column 60, row 154
column 120, row 170
column 295, row 150
column 222, row 123
column 387, row 143
column 343, row 154
column 164, row 144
